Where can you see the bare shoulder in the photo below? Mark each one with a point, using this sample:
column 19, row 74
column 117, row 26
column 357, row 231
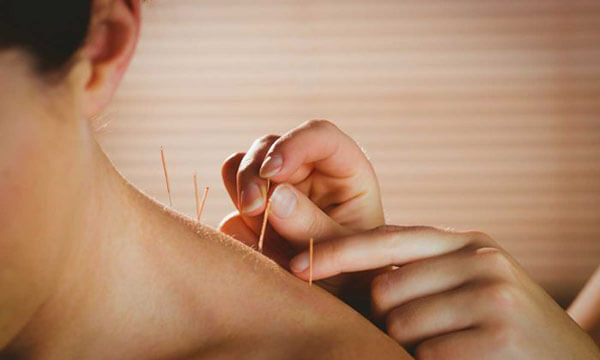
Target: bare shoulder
column 246, row 306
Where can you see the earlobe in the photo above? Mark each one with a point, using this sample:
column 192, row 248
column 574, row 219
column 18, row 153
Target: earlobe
column 110, row 46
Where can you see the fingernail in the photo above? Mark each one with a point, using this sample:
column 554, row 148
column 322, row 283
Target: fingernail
column 271, row 166
column 283, row 201
column 251, row 198
column 299, row 263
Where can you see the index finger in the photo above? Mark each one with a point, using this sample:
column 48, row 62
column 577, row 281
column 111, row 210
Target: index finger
column 384, row 246
column 316, row 144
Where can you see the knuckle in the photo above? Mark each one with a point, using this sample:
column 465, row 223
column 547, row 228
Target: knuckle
column 316, row 225
column 319, row 124
column 480, row 237
column 426, row 352
column 389, row 237
column 267, row 139
column 495, row 258
column 380, row 287
column 500, row 294
column 394, row 327
column 400, row 322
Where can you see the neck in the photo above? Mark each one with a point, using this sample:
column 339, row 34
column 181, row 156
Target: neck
column 131, row 272
column 118, row 272
column 109, row 252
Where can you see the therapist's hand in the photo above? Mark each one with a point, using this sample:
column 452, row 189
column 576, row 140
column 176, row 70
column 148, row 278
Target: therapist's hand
column 321, row 163
column 453, row 295
column 322, row 186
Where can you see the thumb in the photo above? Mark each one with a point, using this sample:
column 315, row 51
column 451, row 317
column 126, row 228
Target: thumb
column 296, row 218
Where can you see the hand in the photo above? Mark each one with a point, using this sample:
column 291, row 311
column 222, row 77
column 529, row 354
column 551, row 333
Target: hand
column 324, row 187
column 453, row 296
column 319, row 161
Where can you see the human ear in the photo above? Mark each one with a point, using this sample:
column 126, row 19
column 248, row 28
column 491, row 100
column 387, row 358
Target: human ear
column 110, row 46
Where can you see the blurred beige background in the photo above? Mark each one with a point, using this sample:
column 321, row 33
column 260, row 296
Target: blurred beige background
column 476, row 114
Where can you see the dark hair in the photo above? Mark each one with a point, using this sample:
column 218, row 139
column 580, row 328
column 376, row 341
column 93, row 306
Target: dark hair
column 51, row 30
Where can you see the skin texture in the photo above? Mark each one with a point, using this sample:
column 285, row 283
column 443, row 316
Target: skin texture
column 90, row 268
column 443, row 294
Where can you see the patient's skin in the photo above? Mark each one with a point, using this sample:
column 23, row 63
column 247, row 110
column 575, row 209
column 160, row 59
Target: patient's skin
column 90, row 268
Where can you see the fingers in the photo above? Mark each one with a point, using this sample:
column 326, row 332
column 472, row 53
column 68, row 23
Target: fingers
column 436, row 275
column 251, row 188
column 229, row 174
column 387, row 245
column 464, row 344
column 316, row 143
column 293, row 216
column 488, row 306
column 438, row 314
column 297, row 219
